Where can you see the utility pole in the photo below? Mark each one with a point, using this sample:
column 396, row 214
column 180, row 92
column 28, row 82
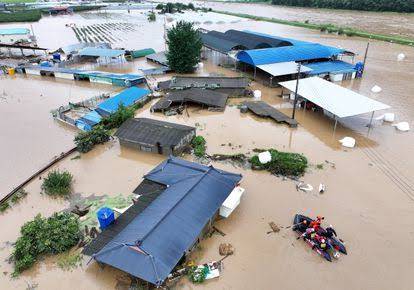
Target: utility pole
column 365, row 57
column 296, row 92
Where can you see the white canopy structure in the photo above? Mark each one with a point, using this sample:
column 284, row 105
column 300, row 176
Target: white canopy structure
column 335, row 99
column 283, row 68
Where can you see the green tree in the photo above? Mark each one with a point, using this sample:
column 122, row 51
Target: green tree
column 184, row 47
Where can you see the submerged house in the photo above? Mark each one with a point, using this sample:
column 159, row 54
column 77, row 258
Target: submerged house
column 150, row 238
column 155, row 136
column 14, row 35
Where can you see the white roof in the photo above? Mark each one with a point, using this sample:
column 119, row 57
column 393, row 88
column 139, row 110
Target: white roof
column 334, row 98
column 283, row 68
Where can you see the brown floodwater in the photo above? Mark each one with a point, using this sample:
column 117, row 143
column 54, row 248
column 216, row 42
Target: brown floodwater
column 397, row 24
column 369, row 195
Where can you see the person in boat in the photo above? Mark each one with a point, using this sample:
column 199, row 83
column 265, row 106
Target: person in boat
column 330, row 232
column 308, row 234
column 303, row 225
column 316, row 224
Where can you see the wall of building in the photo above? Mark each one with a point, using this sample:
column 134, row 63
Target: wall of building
column 11, row 39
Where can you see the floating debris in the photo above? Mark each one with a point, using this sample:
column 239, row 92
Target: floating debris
column 275, row 228
column 305, row 187
column 226, row 249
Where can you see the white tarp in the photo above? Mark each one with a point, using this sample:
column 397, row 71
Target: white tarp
column 334, row 98
column 283, row 68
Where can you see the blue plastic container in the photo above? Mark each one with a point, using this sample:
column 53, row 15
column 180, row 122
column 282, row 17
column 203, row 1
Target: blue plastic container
column 56, row 56
column 106, row 216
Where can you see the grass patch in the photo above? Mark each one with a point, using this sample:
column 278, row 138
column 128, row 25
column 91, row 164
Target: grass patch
column 85, row 141
column 319, row 166
column 15, row 199
column 69, row 261
column 57, row 183
column 52, row 235
column 282, row 163
column 199, row 145
column 326, row 27
column 21, row 16
column 4, row 206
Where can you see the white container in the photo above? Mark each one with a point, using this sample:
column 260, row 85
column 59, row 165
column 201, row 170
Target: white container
column 348, row 142
column 231, row 202
column 401, row 57
column 257, row 94
column 389, row 117
column 265, row 157
column 376, row 89
column 402, row 126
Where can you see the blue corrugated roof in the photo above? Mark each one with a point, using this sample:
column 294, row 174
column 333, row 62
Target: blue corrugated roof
column 287, row 53
column 13, row 31
column 127, row 97
column 154, row 242
column 101, row 52
column 335, row 66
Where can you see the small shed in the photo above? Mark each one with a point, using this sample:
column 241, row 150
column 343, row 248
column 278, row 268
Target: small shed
column 14, row 35
column 155, row 136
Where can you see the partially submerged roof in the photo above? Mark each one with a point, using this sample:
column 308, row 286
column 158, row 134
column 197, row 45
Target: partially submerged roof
column 210, row 98
column 14, row 31
column 283, row 68
column 288, row 53
column 74, row 48
column 263, row 109
column 127, row 97
column 335, row 99
column 101, row 52
column 180, row 82
column 151, row 132
column 154, row 242
column 334, row 66
column 159, row 57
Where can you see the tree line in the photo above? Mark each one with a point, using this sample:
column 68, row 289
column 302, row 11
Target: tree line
column 367, row 5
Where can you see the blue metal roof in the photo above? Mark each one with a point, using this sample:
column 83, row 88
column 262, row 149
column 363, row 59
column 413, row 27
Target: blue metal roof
column 335, row 66
column 14, row 31
column 101, row 52
column 287, row 53
column 89, row 120
column 127, row 97
column 154, row 242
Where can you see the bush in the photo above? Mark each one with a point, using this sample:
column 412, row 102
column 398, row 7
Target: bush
column 85, row 141
column 199, row 145
column 57, row 183
column 4, row 206
column 184, row 47
column 52, row 235
column 118, row 118
column 283, row 163
column 151, row 16
column 21, row 16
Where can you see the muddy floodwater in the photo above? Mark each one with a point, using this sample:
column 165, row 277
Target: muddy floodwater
column 398, row 24
column 370, row 191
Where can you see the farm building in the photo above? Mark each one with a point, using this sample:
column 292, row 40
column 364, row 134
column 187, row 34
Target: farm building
column 155, row 136
column 14, row 35
column 275, row 58
column 211, row 99
column 105, row 55
column 127, row 97
column 154, row 234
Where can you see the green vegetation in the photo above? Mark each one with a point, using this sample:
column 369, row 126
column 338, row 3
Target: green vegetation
column 85, row 141
column 15, row 199
column 69, row 261
column 184, row 47
column 57, row 183
column 319, row 166
column 52, row 235
column 331, row 28
column 283, row 163
column 21, row 16
column 199, row 145
column 151, row 16
column 118, row 117
column 174, row 7
column 17, row 1
column 86, row 8
column 197, row 275
column 366, row 5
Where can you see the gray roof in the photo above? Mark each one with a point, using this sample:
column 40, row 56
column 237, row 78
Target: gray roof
column 151, row 132
column 208, row 82
column 210, row 98
column 263, row 109
column 159, row 57
column 240, row 40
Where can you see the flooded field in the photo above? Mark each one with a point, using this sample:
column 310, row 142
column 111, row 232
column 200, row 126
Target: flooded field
column 369, row 197
column 401, row 24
